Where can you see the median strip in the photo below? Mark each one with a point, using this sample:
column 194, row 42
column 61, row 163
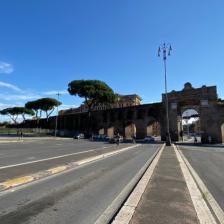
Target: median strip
column 55, row 170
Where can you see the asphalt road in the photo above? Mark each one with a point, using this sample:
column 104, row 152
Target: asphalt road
column 33, row 157
column 76, row 196
column 208, row 162
column 21, row 152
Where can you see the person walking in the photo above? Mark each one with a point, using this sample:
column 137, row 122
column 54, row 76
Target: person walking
column 117, row 139
column 195, row 139
column 134, row 138
column 209, row 139
column 21, row 134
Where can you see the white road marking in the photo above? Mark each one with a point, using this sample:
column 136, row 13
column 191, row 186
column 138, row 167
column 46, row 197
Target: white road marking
column 51, row 158
column 77, row 166
column 204, row 214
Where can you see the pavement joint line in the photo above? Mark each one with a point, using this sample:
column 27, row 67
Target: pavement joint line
column 125, row 214
column 204, row 214
column 107, row 216
column 219, row 213
column 51, row 158
column 55, row 170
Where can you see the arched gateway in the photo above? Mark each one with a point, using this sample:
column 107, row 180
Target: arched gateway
column 150, row 119
column 204, row 100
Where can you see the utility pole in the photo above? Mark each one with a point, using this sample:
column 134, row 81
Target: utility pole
column 166, row 49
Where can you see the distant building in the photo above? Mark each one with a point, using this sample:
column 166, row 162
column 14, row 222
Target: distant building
column 122, row 101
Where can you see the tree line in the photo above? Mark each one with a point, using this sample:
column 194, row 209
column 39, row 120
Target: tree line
column 93, row 92
column 32, row 108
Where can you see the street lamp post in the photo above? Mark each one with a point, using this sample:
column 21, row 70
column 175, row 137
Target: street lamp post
column 166, row 49
column 56, row 122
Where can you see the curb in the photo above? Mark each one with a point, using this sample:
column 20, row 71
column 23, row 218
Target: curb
column 204, row 214
column 58, row 169
column 207, row 196
column 109, row 214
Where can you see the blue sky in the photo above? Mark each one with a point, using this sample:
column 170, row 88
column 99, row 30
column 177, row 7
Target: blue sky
column 45, row 44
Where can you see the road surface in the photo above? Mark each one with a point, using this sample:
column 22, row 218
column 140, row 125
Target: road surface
column 76, row 196
column 208, row 162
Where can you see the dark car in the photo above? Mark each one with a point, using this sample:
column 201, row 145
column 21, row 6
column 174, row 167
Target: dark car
column 149, row 139
column 100, row 137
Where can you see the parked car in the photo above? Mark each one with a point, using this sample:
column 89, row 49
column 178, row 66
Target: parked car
column 97, row 137
column 100, row 137
column 78, row 136
column 149, row 139
column 106, row 138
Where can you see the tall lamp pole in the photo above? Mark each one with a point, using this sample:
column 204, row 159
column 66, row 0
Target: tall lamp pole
column 166, row 49
column 56, row 122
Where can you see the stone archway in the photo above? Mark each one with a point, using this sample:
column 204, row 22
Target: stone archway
column 101, row 131
column 222, row 131
column 153, row 128
column 190, row 123
column 110, row 132
column 130, row 130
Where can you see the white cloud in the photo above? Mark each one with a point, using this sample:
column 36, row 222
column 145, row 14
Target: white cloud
column 18, row 97
column 67, row 106
column 6, row 68
column 10, row 86
column 54, row 92
column 189, row 121
column 6, row 105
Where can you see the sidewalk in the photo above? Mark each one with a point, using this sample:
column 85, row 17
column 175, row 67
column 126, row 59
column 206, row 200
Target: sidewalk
column 166, row 199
